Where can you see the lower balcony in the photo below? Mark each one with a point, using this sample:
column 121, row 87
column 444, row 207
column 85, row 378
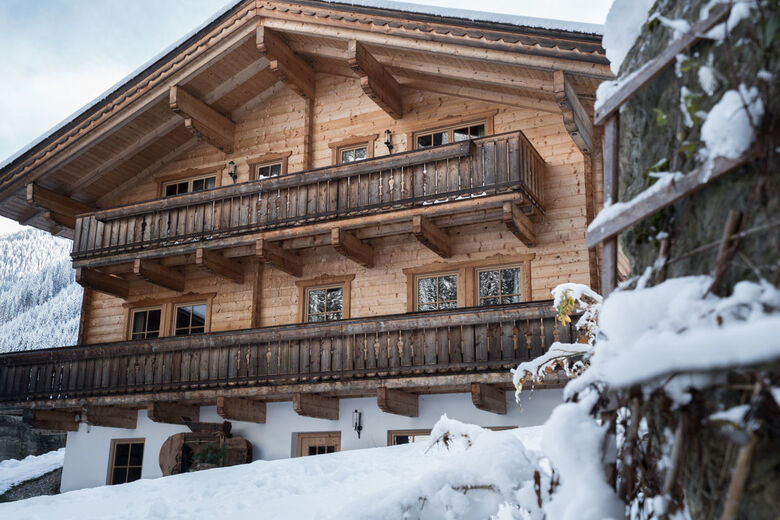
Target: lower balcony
column 420, row 352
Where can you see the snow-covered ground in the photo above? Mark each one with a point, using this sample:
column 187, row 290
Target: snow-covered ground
column 13, row 472
column 379, row 483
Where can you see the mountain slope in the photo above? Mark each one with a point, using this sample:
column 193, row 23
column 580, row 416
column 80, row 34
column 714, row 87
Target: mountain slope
column 40, row 301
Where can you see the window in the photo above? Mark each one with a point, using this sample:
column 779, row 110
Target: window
column 436, row 292
column 353, row 153
column 189, row 185
column 145, row 323
column 499, row 285
column 127, row 457
column 453, row 134
column 324, row 303
column 265, row 171
column 397, row 437
column 318, row 443
column 189, row 319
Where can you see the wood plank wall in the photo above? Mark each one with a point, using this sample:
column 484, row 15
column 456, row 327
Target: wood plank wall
column 341, row 110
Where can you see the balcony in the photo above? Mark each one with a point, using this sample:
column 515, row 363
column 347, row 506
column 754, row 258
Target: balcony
column 442, row 181
column 434, row 344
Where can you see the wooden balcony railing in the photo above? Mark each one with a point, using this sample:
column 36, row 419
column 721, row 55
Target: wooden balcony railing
column 482, row 167
column 453, row 341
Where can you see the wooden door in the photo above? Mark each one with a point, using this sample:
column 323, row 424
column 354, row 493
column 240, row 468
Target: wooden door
column 318, row 443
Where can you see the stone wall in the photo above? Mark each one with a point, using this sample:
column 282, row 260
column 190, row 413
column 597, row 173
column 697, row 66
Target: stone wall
column 18, row 440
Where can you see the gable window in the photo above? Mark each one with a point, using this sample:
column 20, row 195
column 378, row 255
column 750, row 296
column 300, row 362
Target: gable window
column 439, row 291
column 498, row 285
column 126, row 460
column 265, row 171
column 189, row 319
column 324, row 303
column 145, row 323
column 452, row 134
column 353, row 153
column 206, row 182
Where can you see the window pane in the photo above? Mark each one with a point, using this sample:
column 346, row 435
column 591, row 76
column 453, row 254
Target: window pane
column 121, row 454
column 331, row 449
column 182, row 187
column 477, row 131
column 312, row 450
column 510, row 281
column 427, row 307
column 360, row 154
column 133, row 474
column 139, row 323
column 170, row 190
column 512, row 299
column 198, row 316
column 197, row 185
column 136, row 454
column 211, row 182
column 153, row 320
column 488, row 283
column 448, row 305
column 316, row 318
column 488, row 301
column 316, row 301
column 424, row 141
column 401, row 439
column 119, row 476
column 448, row 287
column 333, row 316
column 182, row 318
column 335, row 299
column 426, row 290
column 460, row 134
column 440, row 138
column 275, row 169
column 348, row 156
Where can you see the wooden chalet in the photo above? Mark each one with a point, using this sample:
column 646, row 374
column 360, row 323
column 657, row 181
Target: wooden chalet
column 315, row 206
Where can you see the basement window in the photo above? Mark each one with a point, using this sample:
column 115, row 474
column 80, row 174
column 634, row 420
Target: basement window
column 500, row 285
column 189, row 185
column 127, row 457
column 189, row 319
column 324, row 303
column 435, row 292
column 145, row 323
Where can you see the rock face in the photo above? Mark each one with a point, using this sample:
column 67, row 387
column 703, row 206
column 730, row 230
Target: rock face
column 18, row 440
column 48, row 484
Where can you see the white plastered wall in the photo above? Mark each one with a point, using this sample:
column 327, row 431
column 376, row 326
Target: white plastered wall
column 87, row 451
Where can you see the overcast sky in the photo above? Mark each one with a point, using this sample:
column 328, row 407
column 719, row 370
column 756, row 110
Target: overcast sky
column 57, row 55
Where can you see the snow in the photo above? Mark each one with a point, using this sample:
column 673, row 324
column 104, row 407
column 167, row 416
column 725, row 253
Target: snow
column 379, row 483
column 13, row 471
column 575, row 291
column 679, row 26
column 606, row 89
column 733, row 415
column 625, row 21
column 739, row 11
column 707, row 79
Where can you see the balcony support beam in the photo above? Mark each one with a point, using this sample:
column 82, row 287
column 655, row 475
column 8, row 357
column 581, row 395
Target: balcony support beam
column 575, row 117
column 240, row 409
column 101, row 282
column 353, row 248
column 278, row 257
column 377, row 83
column 519, row 224
column 289, row 67
column 431, row 236
column 202, row 120
column 317, row 406
column 488, row 398
column 219, row 265
column 59, row 420
column 397, row 402
column 56, row 204
column 61, row 220
column 173, row 413
column 111, row 416
column 158, row 274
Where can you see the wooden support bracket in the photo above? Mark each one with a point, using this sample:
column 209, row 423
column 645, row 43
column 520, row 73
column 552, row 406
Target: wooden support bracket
column 173, row 413
column 519, row 224
column 219, row 265
column 351, row 247
column 58, row 420
column 575, row 117
column 241, row 409
column 288, row 66
column 112, row 416
column 202, row 120
column 488, row 398
column 278, row 257
column 101, row 282
column 64, row 207
column 397, row 402
column 318, row 406
column 158, row 274
column 59, row 219
column 431, row 236
column 375, row 80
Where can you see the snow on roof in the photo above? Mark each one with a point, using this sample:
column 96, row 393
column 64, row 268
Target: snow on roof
column 526, row 21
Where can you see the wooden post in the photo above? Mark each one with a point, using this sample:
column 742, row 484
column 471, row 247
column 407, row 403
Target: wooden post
column 609, row 248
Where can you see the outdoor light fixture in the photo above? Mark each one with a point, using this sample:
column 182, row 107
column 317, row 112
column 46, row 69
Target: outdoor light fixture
column 356, row 422
column 389, row 141
column 232, row 171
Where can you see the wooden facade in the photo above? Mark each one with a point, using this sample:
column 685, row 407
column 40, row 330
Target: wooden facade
column 295, row 86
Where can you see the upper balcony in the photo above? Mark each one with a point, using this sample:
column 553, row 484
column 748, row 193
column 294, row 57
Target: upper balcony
column 492, row 178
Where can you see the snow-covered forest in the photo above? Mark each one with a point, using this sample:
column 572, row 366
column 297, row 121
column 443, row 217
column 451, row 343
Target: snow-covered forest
column 40, row 301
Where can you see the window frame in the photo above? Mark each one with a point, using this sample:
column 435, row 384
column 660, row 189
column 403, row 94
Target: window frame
column 486, row 116
column 480, row 269
column 450, row 132
column 391, row 434
column 188, row 175
column 189, row 181
column 112, row 453
column 131, row 320
column 175, row 307
column 325, row 288
column 303, row 436
column 167, row 314
column 336, row 148
column 420, row 276
column 269, row 159
column 304, row 286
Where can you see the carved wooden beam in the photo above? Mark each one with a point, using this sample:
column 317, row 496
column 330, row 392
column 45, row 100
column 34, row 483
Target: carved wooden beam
column 158, row 274
column 278, row 257
column 101, row 282
column 56, row 204
column 575, row 117
column 289, row 67
column 219, row 265
column 397, row 402
column 375, row 80
column 58, row 420
column 519, row 224
column 240, row 409
column 112, row 416
column 318, row 406
column 351, row 247
column 173, row 413
column 431, row 236
column 202, row 120
column 488, row 398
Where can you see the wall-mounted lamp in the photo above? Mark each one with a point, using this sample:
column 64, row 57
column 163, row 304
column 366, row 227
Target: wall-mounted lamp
column 356, row 422
column 389, row 141
column 232, row 171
